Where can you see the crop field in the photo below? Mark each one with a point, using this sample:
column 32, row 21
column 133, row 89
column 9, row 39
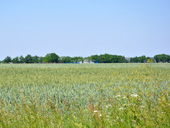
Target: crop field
column 84, row 95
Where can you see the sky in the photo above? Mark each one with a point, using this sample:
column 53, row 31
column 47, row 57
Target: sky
column 84, row 27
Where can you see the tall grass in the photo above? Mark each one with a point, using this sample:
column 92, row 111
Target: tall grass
column 87, row 95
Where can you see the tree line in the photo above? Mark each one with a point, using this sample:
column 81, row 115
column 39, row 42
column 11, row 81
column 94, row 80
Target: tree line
column 160, row 58
column 103, row 58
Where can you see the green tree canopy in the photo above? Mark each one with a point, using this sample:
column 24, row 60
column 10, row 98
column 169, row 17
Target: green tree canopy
column 95, row 58
column 66, row 59
column 140, row 59
column 162, row 58
column 35, row 59
column 107, row 58
column 15, row 60
column 40, row 59
column 51, row 58
column 77, row 59
column 28, row 59
column 7, row 59
column 21, row 59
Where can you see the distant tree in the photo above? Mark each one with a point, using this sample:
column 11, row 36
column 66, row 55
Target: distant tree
column 35, row 59
column 115, row 59
column 28, row 59
column 142, row 59
column 77, row 59
column 121, row 59
column 51, row 57
column 47, row 59
column 66, row 59
column 73, row 59
column 96, row 58
column 149, row 60
column 162, row 58
column 40, row 59
column 136, row 59
column 105, row 58
column 7, row 60
column 81, row 59
column 21, row 59
column 88, row 58
column 15, row 60
column 168, row 60
column 157, row 58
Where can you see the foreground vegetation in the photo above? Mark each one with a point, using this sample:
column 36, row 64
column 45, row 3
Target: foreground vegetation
column 86, row 95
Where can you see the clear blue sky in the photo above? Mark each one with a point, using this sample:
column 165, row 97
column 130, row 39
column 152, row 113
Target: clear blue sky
column 84, row 27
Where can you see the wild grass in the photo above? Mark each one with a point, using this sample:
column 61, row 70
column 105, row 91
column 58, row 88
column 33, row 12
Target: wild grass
column 85, row 95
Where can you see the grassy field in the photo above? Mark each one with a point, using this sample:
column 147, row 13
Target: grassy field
column 84, row 95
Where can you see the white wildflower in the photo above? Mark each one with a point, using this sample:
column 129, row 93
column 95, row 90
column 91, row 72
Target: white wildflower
column 118, row 96
column 121, row 108
column 107, row 106
column 134, row 121
column 122, row 120
column 100, row 115
column 134, row 95
column 125, row 105
column 142, row 106
column 95, row 110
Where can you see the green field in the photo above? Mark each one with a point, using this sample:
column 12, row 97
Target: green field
column 85, row 95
